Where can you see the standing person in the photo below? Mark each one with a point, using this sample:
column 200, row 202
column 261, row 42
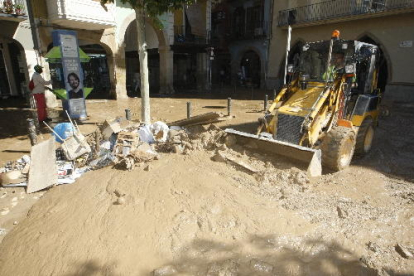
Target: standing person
column 76, row 92
column 38, row 93
column 337, row 63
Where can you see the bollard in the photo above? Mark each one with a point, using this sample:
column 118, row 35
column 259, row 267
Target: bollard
column 228, row 106
column 128, row 114
column 32, row 131
column 188, row 110
column 265, row 102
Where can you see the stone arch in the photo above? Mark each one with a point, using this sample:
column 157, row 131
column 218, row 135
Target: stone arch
column 239, row 57
column 385, row 60
column 161, row 34
column 24, row 59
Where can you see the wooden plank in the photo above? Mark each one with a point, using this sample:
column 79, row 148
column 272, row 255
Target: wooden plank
column 197, row 120
column 43, row 170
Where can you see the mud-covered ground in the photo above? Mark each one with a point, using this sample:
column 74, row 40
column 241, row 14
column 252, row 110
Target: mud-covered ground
column 193, row 214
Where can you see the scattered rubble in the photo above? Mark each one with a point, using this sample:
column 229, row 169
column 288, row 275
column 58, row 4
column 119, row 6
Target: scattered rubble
column 127, row 146
column 207, row 118
column 404, row 251
column 116, row 142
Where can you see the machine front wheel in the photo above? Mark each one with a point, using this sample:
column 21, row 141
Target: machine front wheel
column 338, row 148
column 364, row 137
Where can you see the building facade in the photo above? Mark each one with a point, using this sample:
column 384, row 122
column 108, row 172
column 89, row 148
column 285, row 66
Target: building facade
column 108, row 35
column 240, row 36
column 15, row 45
column 386, row 23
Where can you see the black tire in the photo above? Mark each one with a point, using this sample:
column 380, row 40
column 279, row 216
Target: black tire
column 338, row 148
column 364, row 137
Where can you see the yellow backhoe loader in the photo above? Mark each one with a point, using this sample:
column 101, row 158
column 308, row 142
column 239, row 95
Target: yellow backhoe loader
column 328, row 109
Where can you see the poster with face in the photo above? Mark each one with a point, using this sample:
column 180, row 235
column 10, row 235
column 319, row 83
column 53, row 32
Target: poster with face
column 72, row 72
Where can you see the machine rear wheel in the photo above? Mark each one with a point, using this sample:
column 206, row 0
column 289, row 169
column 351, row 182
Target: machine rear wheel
column 364, row 137
column 338, row 148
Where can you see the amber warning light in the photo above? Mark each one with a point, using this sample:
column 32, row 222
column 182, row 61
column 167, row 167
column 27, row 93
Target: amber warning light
column 335, row 34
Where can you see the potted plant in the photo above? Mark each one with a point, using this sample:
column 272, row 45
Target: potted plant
column 18, row 9
column 8, row 6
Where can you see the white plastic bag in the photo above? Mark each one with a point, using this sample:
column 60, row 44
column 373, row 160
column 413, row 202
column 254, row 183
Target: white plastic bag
column 145, row 134
column 159, row 131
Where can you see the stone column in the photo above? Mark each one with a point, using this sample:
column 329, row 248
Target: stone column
column 117, row 68
column 166, row 70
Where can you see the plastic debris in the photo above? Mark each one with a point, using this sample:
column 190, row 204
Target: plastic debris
column 145, row 134
column 64, row 131
column 159, row 131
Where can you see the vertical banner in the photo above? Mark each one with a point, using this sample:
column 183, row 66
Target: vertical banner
column 72, row 72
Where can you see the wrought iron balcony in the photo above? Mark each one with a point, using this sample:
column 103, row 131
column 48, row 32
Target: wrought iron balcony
column 337, row 9
column 184, row 36
column 13, row 10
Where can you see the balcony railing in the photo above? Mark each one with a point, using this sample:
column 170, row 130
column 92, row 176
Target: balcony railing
column 339, row 8
column 13, row 10
column 259, row 31
column 183, row 36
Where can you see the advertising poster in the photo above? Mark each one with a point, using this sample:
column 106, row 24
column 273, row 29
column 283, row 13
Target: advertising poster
column 72, row 72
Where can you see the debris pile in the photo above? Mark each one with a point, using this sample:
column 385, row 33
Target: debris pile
column 118, row 142
column 15, row 172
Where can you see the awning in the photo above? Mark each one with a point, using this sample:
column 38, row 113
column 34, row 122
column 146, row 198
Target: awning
column 55, row 55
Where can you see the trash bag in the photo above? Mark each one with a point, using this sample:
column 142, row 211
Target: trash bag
column 159, row 131
column 145, row 134
column 64, row 130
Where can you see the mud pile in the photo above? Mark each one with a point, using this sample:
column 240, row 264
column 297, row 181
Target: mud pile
column 206, row 206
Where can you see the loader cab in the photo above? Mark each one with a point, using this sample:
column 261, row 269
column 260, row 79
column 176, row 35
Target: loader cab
column 314, row 60
column 354, row 60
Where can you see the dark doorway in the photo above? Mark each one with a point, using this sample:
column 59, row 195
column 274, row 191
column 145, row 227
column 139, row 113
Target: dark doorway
column 12, row 76
column 17, row 62
column 250, row 69
column 4, row 81
column 133, row 72
column 185, row 71
column 96, row 72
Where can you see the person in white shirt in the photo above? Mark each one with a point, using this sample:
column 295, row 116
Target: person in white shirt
column 38, row 93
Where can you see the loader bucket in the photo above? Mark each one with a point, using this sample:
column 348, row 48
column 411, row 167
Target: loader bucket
column 311, row 158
